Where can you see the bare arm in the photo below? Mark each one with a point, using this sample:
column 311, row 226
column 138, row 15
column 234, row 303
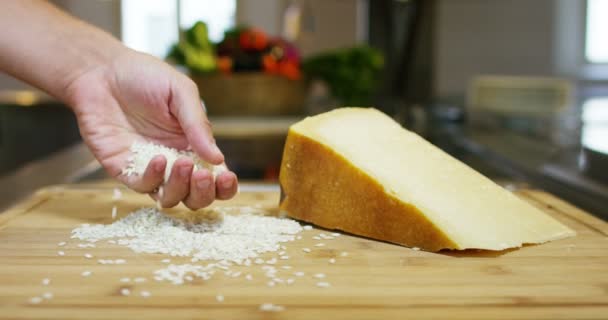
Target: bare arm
column 118, row 95
column 49, row 49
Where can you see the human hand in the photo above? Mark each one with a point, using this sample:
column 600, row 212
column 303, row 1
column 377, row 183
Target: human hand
column 136, row 97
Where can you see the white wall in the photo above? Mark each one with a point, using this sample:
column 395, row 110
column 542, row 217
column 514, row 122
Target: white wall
column 335, row 23
column 509, row 37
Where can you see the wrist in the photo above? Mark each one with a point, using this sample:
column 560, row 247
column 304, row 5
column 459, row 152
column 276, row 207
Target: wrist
column 92, row 68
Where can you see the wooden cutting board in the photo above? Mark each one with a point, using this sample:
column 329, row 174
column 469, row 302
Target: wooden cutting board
column 566, row 279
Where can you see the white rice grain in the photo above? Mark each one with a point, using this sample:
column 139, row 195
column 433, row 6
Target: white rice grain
column 116, row 194
column 35, row 300
column 269, row 307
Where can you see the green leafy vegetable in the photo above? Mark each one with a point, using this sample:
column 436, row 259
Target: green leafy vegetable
column 352, row 74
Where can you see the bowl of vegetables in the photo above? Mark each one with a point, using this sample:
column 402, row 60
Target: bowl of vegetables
column 248, row 73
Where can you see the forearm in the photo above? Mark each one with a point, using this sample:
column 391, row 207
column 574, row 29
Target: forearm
column 49, row 49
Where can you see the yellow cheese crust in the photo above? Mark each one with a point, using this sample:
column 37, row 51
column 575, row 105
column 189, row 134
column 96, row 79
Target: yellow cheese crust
column 320, row 186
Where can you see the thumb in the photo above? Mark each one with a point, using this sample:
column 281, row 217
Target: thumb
column 185, row 104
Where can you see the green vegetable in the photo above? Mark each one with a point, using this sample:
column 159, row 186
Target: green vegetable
column 352, row 74
column 198, row 36
column 195, row 52
column 198, row 60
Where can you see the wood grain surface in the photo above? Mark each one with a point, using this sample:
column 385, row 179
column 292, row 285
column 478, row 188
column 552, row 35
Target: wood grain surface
column 566, row 279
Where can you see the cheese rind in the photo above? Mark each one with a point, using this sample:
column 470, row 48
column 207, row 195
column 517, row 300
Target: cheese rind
column 357, row 170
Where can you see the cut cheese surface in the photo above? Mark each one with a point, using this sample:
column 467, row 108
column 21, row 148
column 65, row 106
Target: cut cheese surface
column 357, row 170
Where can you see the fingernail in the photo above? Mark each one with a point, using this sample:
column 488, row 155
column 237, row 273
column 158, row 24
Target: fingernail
column 227, row 184
column 184, row 171
column 203, row 184
column 158, row 167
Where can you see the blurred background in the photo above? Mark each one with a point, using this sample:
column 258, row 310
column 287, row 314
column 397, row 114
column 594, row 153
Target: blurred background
column 517, row 89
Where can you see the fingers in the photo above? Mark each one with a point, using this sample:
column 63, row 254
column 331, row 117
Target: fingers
column 196, row 189
column 226, row 185
column 202, row 190
column 178, row 186
column 186, row 106
column 152, row 177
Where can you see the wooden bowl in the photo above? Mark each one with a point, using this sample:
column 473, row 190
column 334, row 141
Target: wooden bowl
column 251, row 94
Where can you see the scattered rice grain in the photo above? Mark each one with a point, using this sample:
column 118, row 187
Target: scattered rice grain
column 35, row 300
column 269, row 307
column 116, row 194
column 221, row 237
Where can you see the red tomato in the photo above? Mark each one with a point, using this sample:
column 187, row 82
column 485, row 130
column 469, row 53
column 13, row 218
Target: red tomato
column 253, row 39
column 290, row 69
column 270, row 64
column 224, row 64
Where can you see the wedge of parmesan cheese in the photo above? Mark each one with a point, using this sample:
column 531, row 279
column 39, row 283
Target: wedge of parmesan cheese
column 357, row 170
